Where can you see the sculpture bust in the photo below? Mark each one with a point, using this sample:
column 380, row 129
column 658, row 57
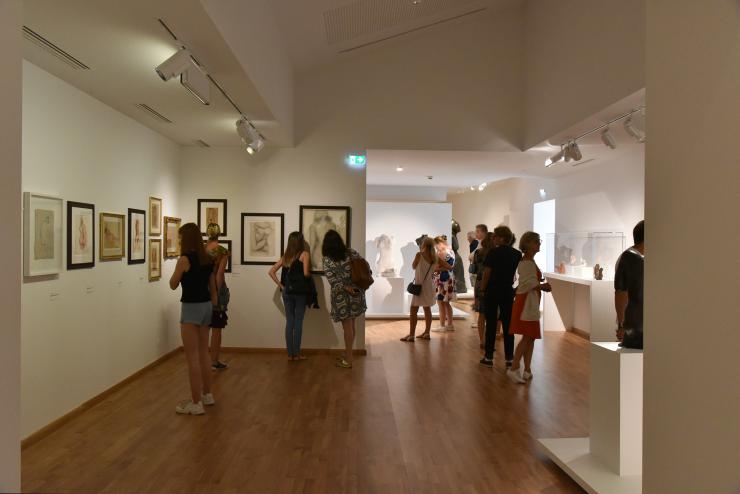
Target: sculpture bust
column 386, row 266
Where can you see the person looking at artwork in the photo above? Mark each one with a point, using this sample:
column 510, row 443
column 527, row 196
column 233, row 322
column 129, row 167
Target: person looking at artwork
column 479, row 257
column 445, row 284
column 425, row 264
column 525, row 315
column 628, row 290
column 497, row 291
column 294, row 283
column 347, row 300
column 220, row 257
column 194, row 271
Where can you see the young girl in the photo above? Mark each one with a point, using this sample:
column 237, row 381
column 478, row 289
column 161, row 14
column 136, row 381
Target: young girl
column 220, row 257
column 194, row 270
column 445, row 283
column 525, row 316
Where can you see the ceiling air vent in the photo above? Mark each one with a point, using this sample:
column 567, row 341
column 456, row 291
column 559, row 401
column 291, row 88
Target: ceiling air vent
column 202, row 143
column 53, row 49
column 152, row 112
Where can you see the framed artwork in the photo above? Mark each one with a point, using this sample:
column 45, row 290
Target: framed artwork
column 212, row 211
column 136, row 236
column 315, row 221
column 155, row 216
column 263, row 238
column 171, row 237
column 42, row 234
column 226, row 244
column 155, row 259
column 112, row 228
column 80, row 235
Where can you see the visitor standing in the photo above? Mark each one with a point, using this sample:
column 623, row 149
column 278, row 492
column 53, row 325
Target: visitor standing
column 472, row 242
column 425, row 263
column 628, row 287
column 479, row 257
column 444, row 281
column 220, row 258
column 194, row 271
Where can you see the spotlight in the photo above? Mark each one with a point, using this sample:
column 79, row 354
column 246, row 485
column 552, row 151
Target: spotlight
column 399, row 168
column 637, row 134
column 573, row 152
column 482, row 186
column 250, row 136
column 175, row 65
column 557, row 157
column 608, row 139
column 472, row 188
column 543, row 193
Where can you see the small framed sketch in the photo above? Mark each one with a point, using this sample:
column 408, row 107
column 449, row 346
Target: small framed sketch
column 315, row 221
column 42, row 234
column 112, row 232
column 155, row 259
column 212, row 211
column 80, row 235
column 263, row 238
column 155, row 216
column 171, row 237
column 136, row 236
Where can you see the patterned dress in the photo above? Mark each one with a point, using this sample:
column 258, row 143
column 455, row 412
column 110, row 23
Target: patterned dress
column 339, row 274
column 445, row 282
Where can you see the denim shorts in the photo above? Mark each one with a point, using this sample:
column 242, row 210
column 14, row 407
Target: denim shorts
column 197, row 313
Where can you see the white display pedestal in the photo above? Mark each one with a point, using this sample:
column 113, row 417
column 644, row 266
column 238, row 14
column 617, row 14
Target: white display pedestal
column 387, row 298
column 610, row 461
column 580, row 304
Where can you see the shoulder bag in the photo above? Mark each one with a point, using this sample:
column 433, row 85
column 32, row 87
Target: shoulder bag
column 415, row 289
column 362, row 275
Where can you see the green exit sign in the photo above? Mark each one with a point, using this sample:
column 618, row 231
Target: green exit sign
column 356, row 160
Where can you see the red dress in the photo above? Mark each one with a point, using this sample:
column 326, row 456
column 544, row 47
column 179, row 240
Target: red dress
column 526, row 328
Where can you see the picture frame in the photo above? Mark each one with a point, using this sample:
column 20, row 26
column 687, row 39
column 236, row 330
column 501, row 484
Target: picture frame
column 155, row 216
column 155, row 259
column 80, row 235
column 315, row 221
column 227, row 245
column 171, row 245
column 136, row 245
column 212, row 211
column 263, row 238
column 112, row 236
column 42, row 234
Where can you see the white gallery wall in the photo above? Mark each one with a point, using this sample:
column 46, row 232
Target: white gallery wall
column 88, row 329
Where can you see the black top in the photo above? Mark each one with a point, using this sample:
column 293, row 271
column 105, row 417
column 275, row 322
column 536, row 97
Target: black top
column 474, row 245
column 629, row 278
column 503, row 262
column 195, row 282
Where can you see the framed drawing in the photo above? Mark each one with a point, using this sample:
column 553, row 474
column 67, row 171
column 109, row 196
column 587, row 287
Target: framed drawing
column 212, row 211
column 315, row 221
column 155, row 216
column 136, row 236
column 155, row 259
column 171, row 237
column 263, row 238
column 80, row 235
column 226, row 244
column 42, row 234
column 112, row 228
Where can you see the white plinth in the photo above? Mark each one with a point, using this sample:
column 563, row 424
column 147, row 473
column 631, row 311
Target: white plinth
column 580, row 303
column 610, row 461
column 387, row 298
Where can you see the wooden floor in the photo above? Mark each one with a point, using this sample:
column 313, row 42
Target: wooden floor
column 422, row 417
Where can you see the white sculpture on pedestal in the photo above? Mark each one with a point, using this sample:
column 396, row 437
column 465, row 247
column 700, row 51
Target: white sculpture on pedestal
column 386, row 266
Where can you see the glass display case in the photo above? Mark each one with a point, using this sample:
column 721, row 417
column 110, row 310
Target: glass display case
column 578, row 253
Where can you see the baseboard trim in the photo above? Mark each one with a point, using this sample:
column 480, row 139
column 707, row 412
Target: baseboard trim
column 579, row 332
column 56, row 424
column 307, row 351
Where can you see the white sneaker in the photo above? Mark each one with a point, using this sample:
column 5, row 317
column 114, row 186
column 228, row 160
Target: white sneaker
column 515, row 377
column 190, row 408
column 208, row 399
column 527, row 376
column 450, row 328
column 440, row 329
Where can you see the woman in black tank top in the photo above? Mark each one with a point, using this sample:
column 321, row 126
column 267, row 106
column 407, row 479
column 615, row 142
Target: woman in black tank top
column 194, row 271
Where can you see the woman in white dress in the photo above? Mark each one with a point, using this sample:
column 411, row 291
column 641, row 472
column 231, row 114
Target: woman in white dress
column 425, row 264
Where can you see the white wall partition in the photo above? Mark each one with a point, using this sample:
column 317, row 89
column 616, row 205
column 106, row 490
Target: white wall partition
column 85, row 330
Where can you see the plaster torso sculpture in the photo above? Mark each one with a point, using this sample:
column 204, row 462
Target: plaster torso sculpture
column 385, row 265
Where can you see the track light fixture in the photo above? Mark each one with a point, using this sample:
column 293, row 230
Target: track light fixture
column 555, row 158
column 608, row 139
column 482, row 186
column 573, row 152
column 632, row 130
column 250, row 136
column 175, row 65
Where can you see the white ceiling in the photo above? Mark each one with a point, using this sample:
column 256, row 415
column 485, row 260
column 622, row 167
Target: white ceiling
column 122, row 42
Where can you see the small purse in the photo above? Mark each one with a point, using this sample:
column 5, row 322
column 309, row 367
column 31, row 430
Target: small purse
column 415, row 289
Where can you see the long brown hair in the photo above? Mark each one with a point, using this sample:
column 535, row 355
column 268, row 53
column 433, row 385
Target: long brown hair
column 427, row 247
column 296, row 246
column 191, row 241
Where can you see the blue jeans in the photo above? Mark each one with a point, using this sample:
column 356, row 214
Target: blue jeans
column 295, row 309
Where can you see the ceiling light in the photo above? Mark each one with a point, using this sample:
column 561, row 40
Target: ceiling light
column 399, row 168
column 253, row 140
column 482, row 186
column 608, row 139
column 472, row 188
column 175, row 65
column 573, row 152
column 195, row 81
column 629, row 127
column 555, row 158
column 543, row 193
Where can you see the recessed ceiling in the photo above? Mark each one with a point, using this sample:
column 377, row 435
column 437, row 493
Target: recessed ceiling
column 122, row 42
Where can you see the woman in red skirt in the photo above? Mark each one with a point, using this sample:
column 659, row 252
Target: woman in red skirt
column 525, row 316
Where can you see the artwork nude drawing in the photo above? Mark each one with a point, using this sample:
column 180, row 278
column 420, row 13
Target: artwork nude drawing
column 262, row 239
column 322, row 223
column 43, row 246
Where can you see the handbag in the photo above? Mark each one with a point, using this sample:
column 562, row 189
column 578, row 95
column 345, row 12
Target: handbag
column 362, row 275
column 415, row 289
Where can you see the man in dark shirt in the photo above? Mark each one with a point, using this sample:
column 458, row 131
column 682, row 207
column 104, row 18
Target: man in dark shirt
column 498, row 292
column 628, row 286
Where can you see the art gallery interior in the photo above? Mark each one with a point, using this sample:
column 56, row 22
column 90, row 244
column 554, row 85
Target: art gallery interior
column 387, row 120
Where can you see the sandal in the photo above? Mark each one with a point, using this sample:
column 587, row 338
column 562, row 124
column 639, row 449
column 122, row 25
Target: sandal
column 343, row 364
column 425, row 336
column 408, row 339
column 300, row 357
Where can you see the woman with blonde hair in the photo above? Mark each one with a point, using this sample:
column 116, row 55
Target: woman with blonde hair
column 444, row 280
column 525, row 315
column 425, row 264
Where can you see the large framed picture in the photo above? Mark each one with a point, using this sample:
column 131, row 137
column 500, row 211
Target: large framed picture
column 155, row 259
column 171, row 237
column 42, row 234
column 112, row 232
column 80, row 235
column 155, row 216
column 212, row 211
column 263, row 238
column 315, row 221
column 226, row 244
column 136, row 236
